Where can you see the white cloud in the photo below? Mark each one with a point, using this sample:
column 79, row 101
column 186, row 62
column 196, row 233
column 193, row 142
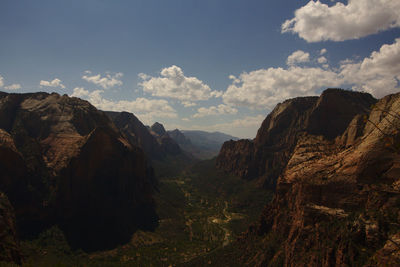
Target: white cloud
column 106, row 81
column 298, row 57
column 378, row 74
column 245, row 127
column 54, row 83
column 214, row 110
column 264, row 88
column 317, row 21
column 323, row 51
column 14, row 86
column 234, row 79
column 1, row 81
column 322, row 60
column 80, row 92
column 174, row 84
column 188, row 104
column 146, row 109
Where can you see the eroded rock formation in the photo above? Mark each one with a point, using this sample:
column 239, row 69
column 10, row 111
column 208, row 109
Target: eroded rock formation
column 64, row 162
column 266, row 156
column 337, row 198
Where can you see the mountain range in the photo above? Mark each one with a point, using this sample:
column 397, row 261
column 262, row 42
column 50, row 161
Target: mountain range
column 332, row 162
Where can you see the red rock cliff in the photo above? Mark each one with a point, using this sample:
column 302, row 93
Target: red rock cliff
column 265, row 157
column 336, row 201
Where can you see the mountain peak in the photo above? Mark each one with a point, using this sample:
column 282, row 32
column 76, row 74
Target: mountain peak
column 158, row 128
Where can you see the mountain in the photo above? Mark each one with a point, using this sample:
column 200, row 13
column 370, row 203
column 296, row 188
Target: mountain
column 167, row 143
column 200, row 144
column 265, row 157
column 337, row 193
column 64, row 162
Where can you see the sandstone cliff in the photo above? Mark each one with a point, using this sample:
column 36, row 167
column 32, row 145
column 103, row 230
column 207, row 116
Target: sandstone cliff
column 167, row 144
column 137, row 133
column 337, row 199
column 64, row 162
column 265, row 157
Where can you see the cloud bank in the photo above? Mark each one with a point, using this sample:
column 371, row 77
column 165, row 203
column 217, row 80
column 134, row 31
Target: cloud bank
column 172, row 83
column 317, row 21
column 378, row 74
column 54, row 83
column 146, row 109
column 215, row 110
column 107, row 81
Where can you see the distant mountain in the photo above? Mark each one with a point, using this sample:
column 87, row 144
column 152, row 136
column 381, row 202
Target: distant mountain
column 201, row 144
column 168, row 144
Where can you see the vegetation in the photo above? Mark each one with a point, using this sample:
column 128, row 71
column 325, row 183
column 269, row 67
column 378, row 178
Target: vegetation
column 201, row 211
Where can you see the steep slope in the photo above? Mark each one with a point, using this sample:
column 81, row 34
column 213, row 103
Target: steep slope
column 266, row 156
column 9, row 244
column 338, row 205
column 65, row 162
column 337, row 199
column 167, row 144
column 137, row 133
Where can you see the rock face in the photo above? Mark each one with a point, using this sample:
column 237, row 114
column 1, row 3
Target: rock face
column 136, row 133
column 64, row 162
column 155, row 141
column 9, row 244
column 337, row 198
column 265, row 157
column 180, row 138
column 167, row 144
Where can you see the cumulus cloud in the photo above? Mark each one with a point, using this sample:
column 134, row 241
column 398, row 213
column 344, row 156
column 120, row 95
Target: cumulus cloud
column 14, row 86
column 322, row 60
column 265, row 88
column 1, row 81
column 54, row 83
column 188, row 104
column 317, row 21
column 298, row 57
column 174, row 84
column 146, row 109
column 323, row 51
column 245, row 127
column 214, row 110
column 378, row 74
column 107, row 81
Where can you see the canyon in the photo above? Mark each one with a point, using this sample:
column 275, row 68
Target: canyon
column 318, row 186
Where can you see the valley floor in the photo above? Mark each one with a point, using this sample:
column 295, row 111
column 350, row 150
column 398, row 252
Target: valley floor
column 201, row 212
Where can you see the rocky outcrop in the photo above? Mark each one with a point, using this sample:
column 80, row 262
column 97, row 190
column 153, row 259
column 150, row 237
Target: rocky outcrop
column 137, row 133
column 167, row 144
column 337, row 200
column 265, row 157
column 9, row 244
column 64, row 162
column 180, row 138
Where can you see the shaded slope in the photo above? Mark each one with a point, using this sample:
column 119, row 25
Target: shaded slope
column 65, row 162
column 266, row 156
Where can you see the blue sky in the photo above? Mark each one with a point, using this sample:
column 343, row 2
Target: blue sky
column 214, row 65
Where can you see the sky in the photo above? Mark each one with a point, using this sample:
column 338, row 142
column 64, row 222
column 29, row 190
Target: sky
column 213, row 65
